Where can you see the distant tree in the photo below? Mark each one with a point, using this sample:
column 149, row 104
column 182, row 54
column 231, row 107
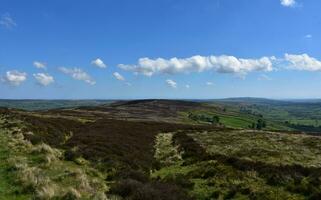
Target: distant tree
column 252, row 126
column 215, row 119
column 260, row 124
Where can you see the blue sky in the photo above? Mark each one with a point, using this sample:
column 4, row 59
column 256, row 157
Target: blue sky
column 160, row 49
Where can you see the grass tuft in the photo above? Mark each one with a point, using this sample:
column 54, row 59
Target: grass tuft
column 72, row 194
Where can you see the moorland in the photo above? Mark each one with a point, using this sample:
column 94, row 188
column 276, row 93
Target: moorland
column 240, row 148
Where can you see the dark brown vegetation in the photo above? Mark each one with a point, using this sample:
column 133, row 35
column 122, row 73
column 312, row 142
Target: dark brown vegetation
column 114, row 143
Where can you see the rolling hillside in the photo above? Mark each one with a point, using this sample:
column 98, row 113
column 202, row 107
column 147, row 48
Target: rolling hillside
column 155, row 149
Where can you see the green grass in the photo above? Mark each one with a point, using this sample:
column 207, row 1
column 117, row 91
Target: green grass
column 218, row 177
column 233, row 118
column 268, row 147
column 300, row 113
column 8, row 188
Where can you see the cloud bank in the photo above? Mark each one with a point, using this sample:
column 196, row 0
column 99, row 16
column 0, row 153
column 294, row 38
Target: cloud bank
column 220, row 64
column 302, row 62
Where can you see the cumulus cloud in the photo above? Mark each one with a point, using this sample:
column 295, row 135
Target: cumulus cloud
column 118, row 76
column 171, row 83
column 43, row 79
column 99, row 63
column 220, row 64
column 209, row 83
column 78, row 74
column 39, row 65
column 7, row 22
column 288, row 3
column 14, row 77
column 303, row 62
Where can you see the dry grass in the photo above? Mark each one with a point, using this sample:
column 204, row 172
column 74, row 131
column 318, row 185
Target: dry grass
column 47, row 191
column 46, row 149
column 165, row 151
column 49, row 154
column 72, row 194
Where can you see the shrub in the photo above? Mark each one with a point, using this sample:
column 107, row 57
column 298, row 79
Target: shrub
column 135, row 190
column 71, row 154
column 180, row 180
column 126, row 187
column 134, row 175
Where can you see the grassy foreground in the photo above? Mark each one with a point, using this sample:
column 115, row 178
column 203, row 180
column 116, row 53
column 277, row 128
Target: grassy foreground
column 39, row 171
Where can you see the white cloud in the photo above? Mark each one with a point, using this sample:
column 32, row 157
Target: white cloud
column 118, row 76
column 303, row 62
column 288, row 3
column 98, row 63
column 39, row 65
column 43, row 79
column 220, row 64
column 171, row 83
column 209, row 83
column 14, row 77
column 7, row 22
column 187, row 86
column 78, row 74
column 264, row 77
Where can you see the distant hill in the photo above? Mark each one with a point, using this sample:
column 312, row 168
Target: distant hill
column 29, row 104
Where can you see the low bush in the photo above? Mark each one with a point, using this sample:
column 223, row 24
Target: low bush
column 135, row 190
